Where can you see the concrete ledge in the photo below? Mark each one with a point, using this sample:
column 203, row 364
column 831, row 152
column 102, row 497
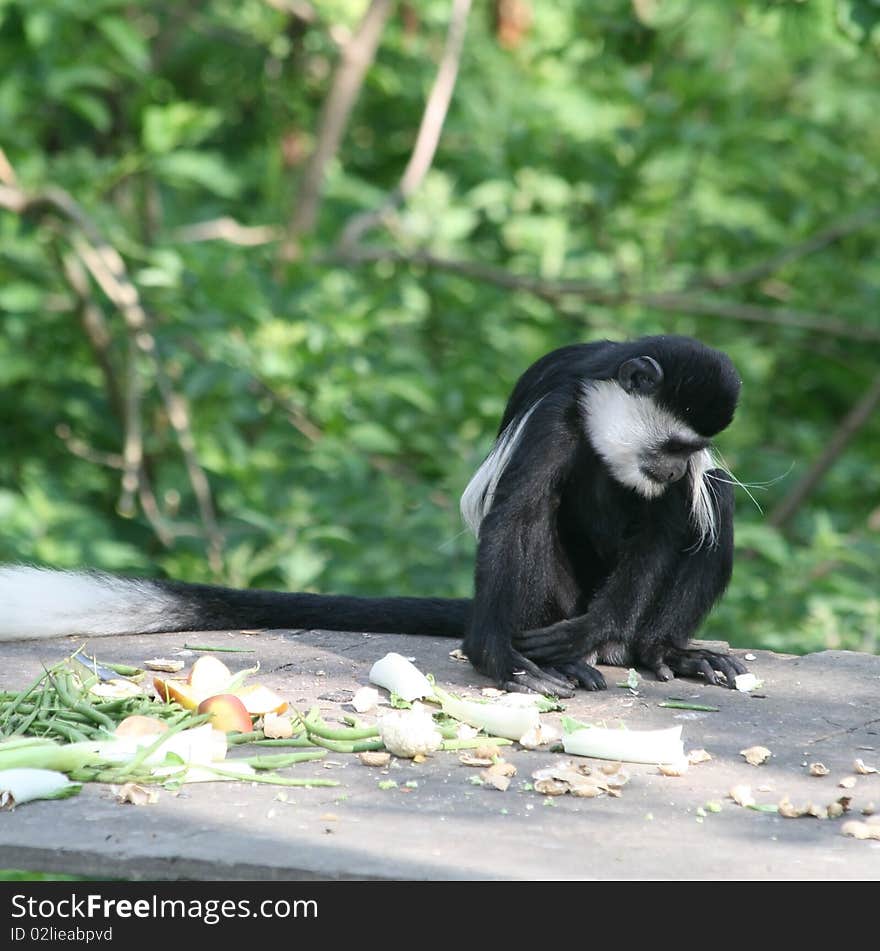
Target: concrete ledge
column 822, row 707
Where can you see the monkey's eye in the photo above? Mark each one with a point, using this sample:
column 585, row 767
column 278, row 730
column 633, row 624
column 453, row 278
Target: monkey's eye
column 641, row 375
column 683, row 447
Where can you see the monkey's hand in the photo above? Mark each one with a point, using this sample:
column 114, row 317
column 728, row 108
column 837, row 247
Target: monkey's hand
column 527, row 677
column 558, row 653
column 563, row 643
column 697, row 662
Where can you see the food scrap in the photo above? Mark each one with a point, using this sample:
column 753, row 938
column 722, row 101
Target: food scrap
column 756, row 755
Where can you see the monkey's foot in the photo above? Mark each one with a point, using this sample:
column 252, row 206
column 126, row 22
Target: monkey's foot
column 696, row 662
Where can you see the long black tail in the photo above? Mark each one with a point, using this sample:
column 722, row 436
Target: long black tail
column 38, row 603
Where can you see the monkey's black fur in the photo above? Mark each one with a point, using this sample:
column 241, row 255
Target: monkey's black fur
column 592, row 543
column 572, row 564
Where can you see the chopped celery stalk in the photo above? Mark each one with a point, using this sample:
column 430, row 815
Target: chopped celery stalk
column 397, row 675
column 627, row 746
column 499, row 719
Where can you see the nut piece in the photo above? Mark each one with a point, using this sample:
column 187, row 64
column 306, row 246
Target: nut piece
column 165, row 665
column 789, row 810
column 698, row 756
column 742, row 795
column 819, row 769
column 756, row 755
column 277, row 727
column 551, row 787
column 499, row 775
column 861, row 830
column 673, row 769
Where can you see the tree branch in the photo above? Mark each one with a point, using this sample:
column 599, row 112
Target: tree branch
column 108, row 270
column 677, row 301
column 428, row 136
column 357, row 56
column 849, row 426
column 815, row 242
column 229, row 230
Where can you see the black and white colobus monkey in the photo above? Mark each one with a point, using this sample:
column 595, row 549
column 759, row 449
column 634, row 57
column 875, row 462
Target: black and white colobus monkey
column 604, row 533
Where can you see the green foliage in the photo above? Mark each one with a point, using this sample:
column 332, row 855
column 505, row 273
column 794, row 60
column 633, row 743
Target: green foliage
column 338, row 410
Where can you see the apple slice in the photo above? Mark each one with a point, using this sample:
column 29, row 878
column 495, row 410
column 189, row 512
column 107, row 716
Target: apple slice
column 177, row 690
column 209, row 677
column 138, row 725
column 227, row 713
column 259, row 700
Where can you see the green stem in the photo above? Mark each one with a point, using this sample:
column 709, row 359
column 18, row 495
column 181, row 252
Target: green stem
column 357, row 746
column 683, row 705
column 270, row 778
column 220, row 650
column 280, row 760
column 474, row 742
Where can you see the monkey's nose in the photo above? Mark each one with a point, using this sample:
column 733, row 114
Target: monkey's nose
column 666, row 470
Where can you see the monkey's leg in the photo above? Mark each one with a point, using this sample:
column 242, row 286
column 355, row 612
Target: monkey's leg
column 694, row 586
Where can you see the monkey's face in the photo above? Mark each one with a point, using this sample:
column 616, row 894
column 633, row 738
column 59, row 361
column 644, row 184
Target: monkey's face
column 646, row 440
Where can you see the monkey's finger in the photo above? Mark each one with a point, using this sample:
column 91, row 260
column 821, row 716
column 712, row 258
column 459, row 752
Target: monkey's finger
column 697, row 662
column 692, row 664
column 528, row 666
column 528, row 683
column 708, row 671
column 588, row 677
column 729, row 666
column 534, row 678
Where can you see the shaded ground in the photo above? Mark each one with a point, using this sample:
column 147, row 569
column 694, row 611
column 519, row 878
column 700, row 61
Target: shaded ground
column 822, row 707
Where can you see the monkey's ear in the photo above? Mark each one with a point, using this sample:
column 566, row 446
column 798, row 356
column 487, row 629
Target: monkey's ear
column 641, row 375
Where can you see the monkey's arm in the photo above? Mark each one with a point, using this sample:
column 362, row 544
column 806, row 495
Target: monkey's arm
column 612, row 614
column 518, row 572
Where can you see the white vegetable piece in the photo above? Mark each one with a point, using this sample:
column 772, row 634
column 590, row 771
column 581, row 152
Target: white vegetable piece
column 24, row 785
column 408, row 733
column 627, row 746
column 365, row 699
column 395, row 673
column 498, row 719
column 201, row 744
column 746, row 682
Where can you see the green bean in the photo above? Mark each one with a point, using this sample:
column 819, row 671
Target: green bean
column 684, row 705
column 67, row 732
column 315, row 725
column 300, row 740
column 234, row 739
column 66, row 685
column 356, row 746
column 24, row 695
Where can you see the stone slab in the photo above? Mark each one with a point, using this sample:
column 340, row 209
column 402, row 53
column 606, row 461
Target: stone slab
column 821, row 707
